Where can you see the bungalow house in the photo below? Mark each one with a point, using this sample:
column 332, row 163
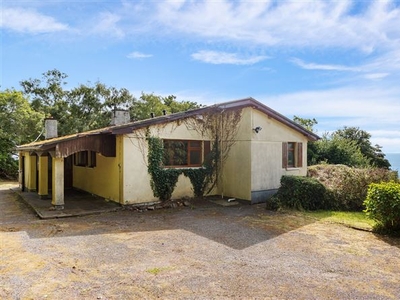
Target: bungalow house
column 255, row 146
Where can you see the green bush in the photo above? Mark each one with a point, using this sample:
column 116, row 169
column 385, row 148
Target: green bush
column 383, row 205
column 302, row 193
column 348, row 186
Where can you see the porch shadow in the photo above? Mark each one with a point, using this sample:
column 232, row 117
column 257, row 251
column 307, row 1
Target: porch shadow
column 238, row 226
column 76, row 203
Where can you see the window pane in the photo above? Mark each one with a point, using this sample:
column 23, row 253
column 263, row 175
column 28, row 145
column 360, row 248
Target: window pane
column 291, row 157
column 195, row 157
column 175, row 153
column 195, row 144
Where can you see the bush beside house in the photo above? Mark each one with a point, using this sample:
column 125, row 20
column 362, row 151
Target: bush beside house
column 348, row 186
column 335, row 187
column 302, row 193
column 383, row 205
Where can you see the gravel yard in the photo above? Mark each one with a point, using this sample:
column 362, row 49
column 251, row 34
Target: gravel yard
column 204, row 251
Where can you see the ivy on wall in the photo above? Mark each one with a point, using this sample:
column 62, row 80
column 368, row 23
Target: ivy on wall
column 163, row 181
column 222, row 128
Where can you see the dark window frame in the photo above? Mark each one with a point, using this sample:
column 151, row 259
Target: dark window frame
column 292, row 155
column 196, row 150
column 85, row 159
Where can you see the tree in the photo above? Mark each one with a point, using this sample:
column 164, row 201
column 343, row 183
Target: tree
column 362, row 139
column 85, row 107
column 48, row 96
column 149, row 104
column 306, row 123
column 332, row 149
column 19, row 124
column 91, row 106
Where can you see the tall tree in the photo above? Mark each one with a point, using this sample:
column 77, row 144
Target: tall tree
column 19, row 124
column 49, row 97
column 82, row 108
column 306, row 123
column 91, row 106
column 150, row 103
column 362, row 139
column 332, row 149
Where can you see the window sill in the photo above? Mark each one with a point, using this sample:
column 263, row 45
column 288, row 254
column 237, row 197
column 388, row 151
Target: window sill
column 183, row 167
column 292, row 168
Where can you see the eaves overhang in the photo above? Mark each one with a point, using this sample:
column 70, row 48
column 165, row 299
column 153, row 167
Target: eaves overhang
column 93, row 139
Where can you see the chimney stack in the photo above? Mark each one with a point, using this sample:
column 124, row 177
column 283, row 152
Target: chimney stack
column 50, row 126
column 120, row 117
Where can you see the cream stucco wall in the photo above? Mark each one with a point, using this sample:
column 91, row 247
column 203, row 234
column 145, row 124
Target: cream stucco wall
column 255, row 161
column 236, row 170
column 266, row 152
column 136, row 180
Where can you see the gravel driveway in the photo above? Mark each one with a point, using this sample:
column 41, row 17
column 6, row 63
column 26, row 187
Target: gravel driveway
column 203, row 251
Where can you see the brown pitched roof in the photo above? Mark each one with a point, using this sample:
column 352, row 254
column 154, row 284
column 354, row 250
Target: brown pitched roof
column 130, row 127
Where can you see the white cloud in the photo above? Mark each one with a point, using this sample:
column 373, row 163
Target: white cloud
column 376, row 76
column 350, row 102
column 29, row 21
column 314, row 66
column 376, row 68
column 374, row 109
column 287, row 23
column 139, row 55
column 107, row 24
column 217, row 57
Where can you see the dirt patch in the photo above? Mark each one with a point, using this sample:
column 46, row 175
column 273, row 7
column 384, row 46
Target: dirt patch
column 203, row 251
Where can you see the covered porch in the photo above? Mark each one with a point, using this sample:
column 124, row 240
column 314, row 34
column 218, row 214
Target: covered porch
column 77, row 203
column 46, row 167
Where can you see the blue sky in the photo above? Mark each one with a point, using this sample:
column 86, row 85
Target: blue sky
column 335, row 61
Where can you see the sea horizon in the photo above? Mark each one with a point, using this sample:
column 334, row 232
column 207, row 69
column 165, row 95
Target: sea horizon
column 394, row 160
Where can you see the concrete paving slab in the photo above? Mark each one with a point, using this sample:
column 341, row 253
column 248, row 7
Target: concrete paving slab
column 76, row 203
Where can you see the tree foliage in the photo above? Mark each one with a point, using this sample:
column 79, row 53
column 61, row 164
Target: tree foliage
column 89, row 106
column 349, row 146
column 85, row 107
column 306, row 123
column 148, row 104
column 19, row 124
column 362, row 139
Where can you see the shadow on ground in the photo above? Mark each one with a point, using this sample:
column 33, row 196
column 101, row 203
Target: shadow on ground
column 237, row 227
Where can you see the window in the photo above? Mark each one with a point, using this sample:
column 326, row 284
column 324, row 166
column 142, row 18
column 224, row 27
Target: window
column 85, row 159
column 184, row 153
column 92, row 159
column 292, row 155
column 81, row 159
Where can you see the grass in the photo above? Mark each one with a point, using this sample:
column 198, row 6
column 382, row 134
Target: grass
column 156, row 270
column 351, row 219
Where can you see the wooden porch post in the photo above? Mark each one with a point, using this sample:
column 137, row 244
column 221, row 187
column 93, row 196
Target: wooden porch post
column 58, row 183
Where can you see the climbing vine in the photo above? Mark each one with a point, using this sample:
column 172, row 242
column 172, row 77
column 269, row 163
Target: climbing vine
column 221, row 126
column 163, row 181
column 217, row 125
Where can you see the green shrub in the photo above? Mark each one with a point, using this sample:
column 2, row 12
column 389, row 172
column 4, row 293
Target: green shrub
column 348, row 186
column 383, row 205
column 302, row 193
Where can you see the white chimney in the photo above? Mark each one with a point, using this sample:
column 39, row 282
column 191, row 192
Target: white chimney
column 120, row 117
column 50, row 126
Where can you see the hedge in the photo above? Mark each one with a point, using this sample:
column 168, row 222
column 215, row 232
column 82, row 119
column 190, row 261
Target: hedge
column 383, row 205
